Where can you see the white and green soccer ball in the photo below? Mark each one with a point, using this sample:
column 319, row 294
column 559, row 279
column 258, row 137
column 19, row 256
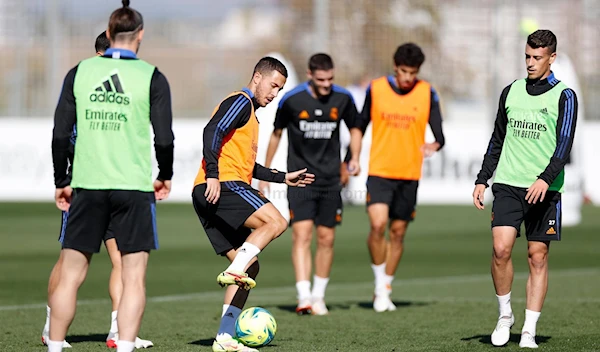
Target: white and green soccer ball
column 255, row 327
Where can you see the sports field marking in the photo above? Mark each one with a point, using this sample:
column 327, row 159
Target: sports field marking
column 271, row 294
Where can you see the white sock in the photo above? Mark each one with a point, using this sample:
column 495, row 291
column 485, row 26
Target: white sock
column 387, row 279
column 379, row 272
column 243, row 257
column 47, row 325
column 228, row 318
column 55, row 346
column 125, row 346
column 504, row 308
column 531, row 319
column 319, row 286
column 303, row 288
column 113, row 322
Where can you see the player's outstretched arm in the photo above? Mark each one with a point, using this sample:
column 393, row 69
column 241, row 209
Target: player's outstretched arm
column 299, row 178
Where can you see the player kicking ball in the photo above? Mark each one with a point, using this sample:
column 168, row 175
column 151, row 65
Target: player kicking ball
column 238, row 220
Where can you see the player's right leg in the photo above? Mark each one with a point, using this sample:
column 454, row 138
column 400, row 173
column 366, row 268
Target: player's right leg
column 507, row 216
column 303, row 210
column 240, row 206
column 302, row 260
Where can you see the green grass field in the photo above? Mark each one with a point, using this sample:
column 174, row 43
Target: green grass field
column 443, row 288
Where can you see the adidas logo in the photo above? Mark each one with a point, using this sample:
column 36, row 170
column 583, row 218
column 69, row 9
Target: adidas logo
column 230, row 315
column 544, row 111
column 551, row 231
column 110, row 91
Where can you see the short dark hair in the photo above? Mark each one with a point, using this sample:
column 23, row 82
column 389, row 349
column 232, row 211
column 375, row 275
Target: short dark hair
column 125, row 22
column 102, row 43
column 542, row 38
column 320, row 61
column 409, row 54
column 269, row 64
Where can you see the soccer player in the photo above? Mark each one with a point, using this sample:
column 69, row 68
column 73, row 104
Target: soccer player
column 115, row 286
column 312, row 113
column 227, row 206
column 400, row 107
column 113, row 98
column 529, row 147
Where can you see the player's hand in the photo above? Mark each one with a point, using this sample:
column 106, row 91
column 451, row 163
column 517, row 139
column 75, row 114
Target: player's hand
column 478, row 196
column 344, row 174
column 63, row 196
column 354, row 167
column 299, row 178
column 537, row 191
column 264, row 187
column 213, row 190
column 162, row 189
column 428, row 149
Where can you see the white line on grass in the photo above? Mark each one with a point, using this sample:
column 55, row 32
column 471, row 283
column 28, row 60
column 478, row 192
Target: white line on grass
column 270, row 292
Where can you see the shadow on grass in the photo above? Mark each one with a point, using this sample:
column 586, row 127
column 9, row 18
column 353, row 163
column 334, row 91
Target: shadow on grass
column 516, row 338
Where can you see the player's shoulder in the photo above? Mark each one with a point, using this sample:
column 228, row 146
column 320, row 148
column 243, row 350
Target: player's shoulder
column 296, row 91
column 342, row 91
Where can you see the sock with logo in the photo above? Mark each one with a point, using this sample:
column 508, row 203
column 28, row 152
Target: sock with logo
column 228, row 318
column 244, row 255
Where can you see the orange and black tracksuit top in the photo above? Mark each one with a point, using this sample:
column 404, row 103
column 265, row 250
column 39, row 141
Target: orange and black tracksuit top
column 400, row 120
column 231, row 142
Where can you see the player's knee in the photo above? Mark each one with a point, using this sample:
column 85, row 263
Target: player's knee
column 502, row 252
column 253, row 270
column 279, row 226
column 538, row 260
column 326, row 240
column 378, row 229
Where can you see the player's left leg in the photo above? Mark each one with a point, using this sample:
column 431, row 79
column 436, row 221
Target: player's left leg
column 329, row 215
column 53, row 282
column 402, row 211
column 542, row 225
column 64, row 298
column 115, row 289
column 233, row 304
column 537, row 286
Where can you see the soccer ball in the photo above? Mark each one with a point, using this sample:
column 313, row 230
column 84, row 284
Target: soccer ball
column 255, row 327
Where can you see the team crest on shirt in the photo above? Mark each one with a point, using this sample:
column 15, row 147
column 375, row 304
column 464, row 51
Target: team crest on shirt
column 303, row 114
column 318, row 112
column 333, row 113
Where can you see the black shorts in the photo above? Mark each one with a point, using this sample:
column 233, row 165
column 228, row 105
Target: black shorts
column 399, row 195
column 131, row 215
column 109, row 235
column 322, row 205
column 542, row 220
column 224, row 222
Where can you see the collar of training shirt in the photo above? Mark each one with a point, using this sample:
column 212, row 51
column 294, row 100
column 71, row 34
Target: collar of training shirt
column 120, row 54
column 251, row 95
column 541, row 86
